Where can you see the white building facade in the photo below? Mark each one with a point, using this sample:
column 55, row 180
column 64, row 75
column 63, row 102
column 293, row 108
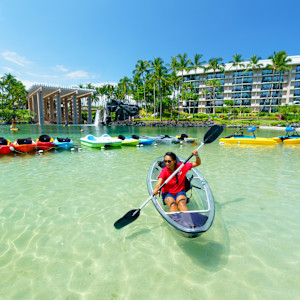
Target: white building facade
column 253, row 89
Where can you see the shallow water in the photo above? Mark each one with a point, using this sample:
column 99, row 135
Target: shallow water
column 57, row 212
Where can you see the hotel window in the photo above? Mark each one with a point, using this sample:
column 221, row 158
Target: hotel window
column 277, row 86
column 236, row 95
column 266, row 102
column 246, row 102
column 297, row 93
column 210, row 76
column 186, row 78
column 247, row 80
column 237, row 88
column 220, row 75
column 263, row 94
column 248, row 73
column 246, row 95
column 247, row 88
column 275, row 101
column 297, row 84
column 297, row 76
column 276, row 94
column 238, row 102
column 298, row 69
column 238, row 74
column 265, row 86
column 267, row 79
column 219, row 96
column 237, row 81
column 267, row 72
column 278, row 78
column 218, row 103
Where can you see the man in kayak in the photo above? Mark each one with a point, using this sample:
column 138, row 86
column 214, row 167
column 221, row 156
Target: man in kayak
column 173, row 193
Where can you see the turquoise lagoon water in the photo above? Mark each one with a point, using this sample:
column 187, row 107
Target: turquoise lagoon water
column 57, row 212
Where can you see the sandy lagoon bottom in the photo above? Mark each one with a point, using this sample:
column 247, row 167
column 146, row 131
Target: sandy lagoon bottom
column 57, row 212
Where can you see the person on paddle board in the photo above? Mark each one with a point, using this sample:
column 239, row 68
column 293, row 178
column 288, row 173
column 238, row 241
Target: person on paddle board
column 173, row 193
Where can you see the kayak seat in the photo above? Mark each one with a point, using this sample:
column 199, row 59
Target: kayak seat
column 136, row 137
column 183, row 136
column 63, row 140
column 26, row 141
column 190, row 220
column 44, row 138
column 121, row 137
column 3, row 141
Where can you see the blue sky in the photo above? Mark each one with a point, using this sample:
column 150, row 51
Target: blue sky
column 71, row 42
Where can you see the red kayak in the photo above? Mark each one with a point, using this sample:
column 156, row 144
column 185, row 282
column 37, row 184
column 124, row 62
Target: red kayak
column 5, row 146
column 24, row 145
column 45, row 142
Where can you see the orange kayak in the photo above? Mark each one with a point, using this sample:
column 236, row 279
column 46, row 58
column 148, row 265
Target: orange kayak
column 24, row 145
column 5, row 146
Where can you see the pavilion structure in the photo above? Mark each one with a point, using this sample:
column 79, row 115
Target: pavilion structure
column 57, row 104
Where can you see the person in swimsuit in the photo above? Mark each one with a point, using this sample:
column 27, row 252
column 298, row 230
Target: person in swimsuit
column 173, row 193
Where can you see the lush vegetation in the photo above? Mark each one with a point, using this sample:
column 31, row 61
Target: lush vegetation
column 13, row 100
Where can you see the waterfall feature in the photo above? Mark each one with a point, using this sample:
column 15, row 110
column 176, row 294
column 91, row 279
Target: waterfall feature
column 97, row 117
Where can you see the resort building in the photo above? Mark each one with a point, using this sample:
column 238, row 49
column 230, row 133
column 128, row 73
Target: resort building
column 57, row 104
column 248, row 88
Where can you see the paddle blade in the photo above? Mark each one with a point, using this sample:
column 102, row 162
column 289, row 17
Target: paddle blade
column 212, row 134
column 131, row 216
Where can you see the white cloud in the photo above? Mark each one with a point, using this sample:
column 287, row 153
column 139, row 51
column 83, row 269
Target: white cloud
column 15, row 58
column 11, row 71
column 42, row 76
column 78, row 74
column 61, row 68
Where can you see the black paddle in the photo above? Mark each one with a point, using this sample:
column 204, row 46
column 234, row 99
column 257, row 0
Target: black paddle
column 132, row 215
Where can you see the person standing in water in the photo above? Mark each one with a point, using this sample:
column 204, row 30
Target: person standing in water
column 173, row 193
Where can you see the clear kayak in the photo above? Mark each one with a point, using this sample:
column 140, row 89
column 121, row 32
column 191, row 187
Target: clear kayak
column 163, row 139
column 201, row 204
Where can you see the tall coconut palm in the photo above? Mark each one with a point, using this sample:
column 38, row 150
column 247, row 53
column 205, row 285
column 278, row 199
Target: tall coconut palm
column 216, row 65
column 160, row 71
column 137, row 82
column 253, row 64
column 124, row 85
column 236, row 62
column 174, row 82
column 142, row 67
column 196, row 64
column 213, row 87
column 279, row 64
column 183, row 65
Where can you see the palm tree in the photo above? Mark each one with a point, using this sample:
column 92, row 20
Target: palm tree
column 137, row 82
column 159, row 72
column 183, row 65
column 216, row 64
column 124, row 86
column 279, row 65
column 236, row 62
column 142, row 67
column 174, row 82
column 197, row 64
column 213, row 86
column 253, row 65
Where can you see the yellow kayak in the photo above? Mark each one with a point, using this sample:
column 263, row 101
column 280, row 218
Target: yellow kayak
column 291, row 141
column 249, row 140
